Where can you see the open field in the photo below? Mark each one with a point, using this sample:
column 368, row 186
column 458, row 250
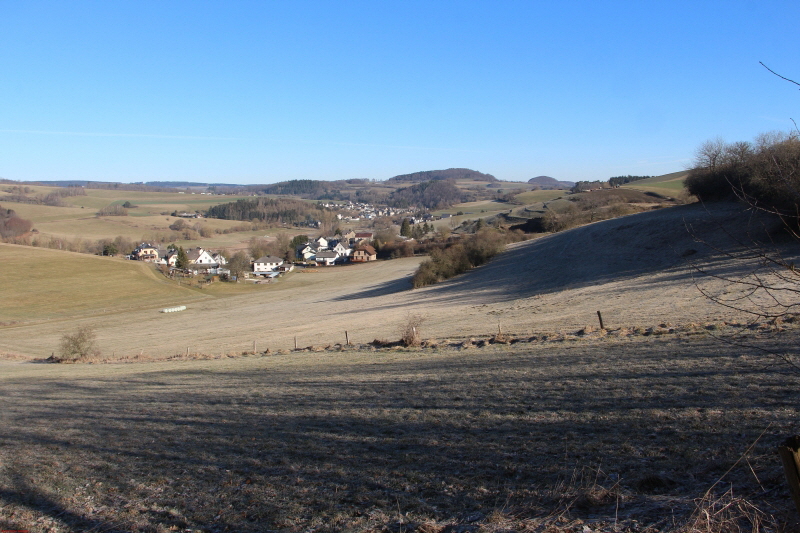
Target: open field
column 668, row 184
column 561, row 431
column 630, row 268
column 532, row 197
column 148, row 218
column 609, row 434
column 51, row 285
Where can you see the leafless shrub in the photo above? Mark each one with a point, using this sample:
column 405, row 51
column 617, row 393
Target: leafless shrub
column 727, row 514
column 410, row 335
column 81, row 345
column 113, row 210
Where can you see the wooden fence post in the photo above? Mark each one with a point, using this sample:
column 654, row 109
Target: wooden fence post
column 600, row 317
column 295, row 342
column 790, row 456
column 346, row 338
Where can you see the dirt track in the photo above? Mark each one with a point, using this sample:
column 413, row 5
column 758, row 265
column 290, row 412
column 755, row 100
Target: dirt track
column 629, row 268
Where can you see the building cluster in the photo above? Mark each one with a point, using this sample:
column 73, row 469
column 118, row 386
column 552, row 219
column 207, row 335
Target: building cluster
column 198, row 260
column 363, row 211
column 352, row 246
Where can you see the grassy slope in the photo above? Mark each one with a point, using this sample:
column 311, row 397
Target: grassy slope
column 668, row 184
column 48, row 284
column 145, row 221
column 622, row 434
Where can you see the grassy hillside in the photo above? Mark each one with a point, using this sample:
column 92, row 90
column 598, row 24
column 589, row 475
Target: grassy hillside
column 668, row 184
column 49, row 284
column 148, row 219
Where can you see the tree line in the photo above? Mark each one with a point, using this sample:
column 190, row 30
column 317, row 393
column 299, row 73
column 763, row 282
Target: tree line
column 765, row 172
column 616, row 181
column 271, row 210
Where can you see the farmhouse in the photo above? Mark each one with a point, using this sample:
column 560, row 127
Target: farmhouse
column 365, row 253
column 364, row 237
column 147, row 252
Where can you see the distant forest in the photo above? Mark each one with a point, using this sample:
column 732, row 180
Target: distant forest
column 621, row 180
column 449, row 174
column 431, row 194
column 272, row 210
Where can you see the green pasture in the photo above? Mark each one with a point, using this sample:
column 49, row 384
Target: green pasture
column 51, row 284
column 668, row 184
column 515, row 186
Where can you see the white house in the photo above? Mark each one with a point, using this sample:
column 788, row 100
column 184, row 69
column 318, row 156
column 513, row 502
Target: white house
column 198, row 256
column 307, row 252
column 266, row 264
column 342, row 250
column 326, row 258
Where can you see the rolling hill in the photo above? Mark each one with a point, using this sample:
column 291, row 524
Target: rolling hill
column 546, row 182
column 449, row 174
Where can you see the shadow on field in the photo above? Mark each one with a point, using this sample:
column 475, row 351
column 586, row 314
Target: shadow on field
column 611, row 251
column 21, row 494
column 382, row 289
column 342, row 445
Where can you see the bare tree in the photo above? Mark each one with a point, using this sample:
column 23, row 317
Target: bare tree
column 755, row 258
column 238, row 264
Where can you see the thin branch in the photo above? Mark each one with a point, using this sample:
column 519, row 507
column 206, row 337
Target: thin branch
column 781, row 77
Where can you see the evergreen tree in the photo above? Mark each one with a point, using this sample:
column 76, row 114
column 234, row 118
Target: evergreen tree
column 405, row 228
column 182, row 261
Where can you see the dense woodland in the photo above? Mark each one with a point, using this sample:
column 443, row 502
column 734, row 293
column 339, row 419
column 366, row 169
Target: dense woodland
column 430, row 194
column 449, row 174
column 272, row 210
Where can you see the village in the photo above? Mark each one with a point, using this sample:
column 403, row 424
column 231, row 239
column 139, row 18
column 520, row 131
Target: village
column 351, row 246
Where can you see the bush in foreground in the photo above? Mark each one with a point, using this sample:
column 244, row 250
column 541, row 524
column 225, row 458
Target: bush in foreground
column 80, row 345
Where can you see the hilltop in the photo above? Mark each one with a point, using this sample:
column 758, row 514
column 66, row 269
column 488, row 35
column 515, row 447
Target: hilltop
column 546, row 182
column 449, row 174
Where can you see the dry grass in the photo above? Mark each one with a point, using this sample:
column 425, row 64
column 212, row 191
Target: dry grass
column 53, row 285
column 602, row 434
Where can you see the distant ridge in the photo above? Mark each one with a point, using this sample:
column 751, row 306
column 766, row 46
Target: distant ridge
column 110, row 184
column 449, row 174
column 546, row 182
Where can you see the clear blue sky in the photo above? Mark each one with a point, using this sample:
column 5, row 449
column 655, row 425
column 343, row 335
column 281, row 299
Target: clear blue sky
column 259, row 92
